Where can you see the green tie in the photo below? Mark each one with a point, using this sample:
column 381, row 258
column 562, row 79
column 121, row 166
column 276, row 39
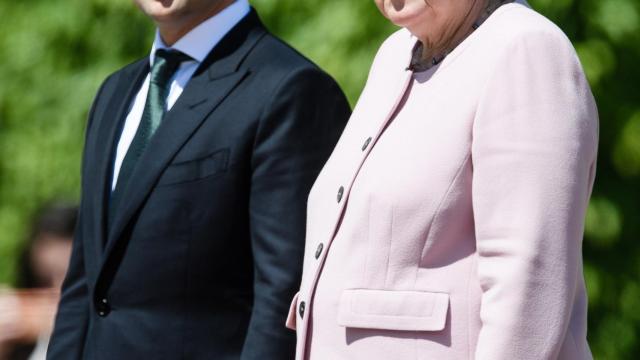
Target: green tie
column 165, row 64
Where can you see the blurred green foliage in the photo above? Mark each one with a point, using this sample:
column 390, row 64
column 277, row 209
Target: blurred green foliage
column 54, row 54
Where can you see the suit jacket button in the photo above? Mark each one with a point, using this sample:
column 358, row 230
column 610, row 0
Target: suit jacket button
column 366, row 143
column 319, row 250
column 301, row 309
column 340, row 193
column 103, row 308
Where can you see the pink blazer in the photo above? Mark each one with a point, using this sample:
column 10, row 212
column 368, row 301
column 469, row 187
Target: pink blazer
column 448, row 222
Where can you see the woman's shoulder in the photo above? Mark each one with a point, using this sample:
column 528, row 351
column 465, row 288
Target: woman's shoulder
column 518, row 25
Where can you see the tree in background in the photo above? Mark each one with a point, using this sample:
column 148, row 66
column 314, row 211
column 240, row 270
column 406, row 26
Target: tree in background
column 56, row 53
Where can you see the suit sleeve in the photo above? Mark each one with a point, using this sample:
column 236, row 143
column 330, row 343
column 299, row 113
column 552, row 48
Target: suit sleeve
column 72, row 318
column 297, row 132
column 534, row 152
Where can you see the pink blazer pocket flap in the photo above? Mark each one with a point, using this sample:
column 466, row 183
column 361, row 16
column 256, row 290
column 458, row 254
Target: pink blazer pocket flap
column 291, row 317
column 393, row 310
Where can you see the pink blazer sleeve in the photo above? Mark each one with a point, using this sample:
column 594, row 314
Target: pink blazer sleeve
column 534, row 151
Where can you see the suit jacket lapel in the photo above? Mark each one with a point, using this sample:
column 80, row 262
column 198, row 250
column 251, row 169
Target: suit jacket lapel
column 216, row 77
column 110, row 123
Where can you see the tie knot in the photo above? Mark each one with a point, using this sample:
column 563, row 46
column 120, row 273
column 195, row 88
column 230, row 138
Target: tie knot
column 172, row 56
column 166, row 63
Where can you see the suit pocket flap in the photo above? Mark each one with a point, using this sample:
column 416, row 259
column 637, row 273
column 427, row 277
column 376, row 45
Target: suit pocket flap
column 196, row 169
column 291, row 317
column 393, row 310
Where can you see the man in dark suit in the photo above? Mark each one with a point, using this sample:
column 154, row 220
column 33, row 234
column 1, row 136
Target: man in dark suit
column 196, row 169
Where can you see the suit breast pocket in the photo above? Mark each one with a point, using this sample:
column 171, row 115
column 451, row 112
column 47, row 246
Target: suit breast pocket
column 213, row 164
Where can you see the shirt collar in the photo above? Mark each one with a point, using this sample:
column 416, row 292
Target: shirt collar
column 199, row 42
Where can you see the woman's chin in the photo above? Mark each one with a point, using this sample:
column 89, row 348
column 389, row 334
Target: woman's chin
column 408, row 18
column 408, row 15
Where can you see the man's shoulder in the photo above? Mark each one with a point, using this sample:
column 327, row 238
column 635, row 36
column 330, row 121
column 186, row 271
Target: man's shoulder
column 127, row 70
column 275, row 57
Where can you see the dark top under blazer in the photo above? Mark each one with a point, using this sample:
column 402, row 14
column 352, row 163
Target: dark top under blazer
column 206, row 248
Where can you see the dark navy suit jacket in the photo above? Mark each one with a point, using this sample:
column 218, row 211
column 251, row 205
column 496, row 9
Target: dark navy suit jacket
column 205, row 249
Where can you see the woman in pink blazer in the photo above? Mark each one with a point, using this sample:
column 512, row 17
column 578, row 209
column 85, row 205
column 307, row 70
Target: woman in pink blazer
column 448, row 222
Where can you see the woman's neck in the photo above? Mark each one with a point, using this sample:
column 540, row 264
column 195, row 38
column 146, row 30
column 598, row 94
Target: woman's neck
column 435, row 51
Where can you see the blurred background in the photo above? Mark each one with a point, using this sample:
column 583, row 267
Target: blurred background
column 54, row 55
